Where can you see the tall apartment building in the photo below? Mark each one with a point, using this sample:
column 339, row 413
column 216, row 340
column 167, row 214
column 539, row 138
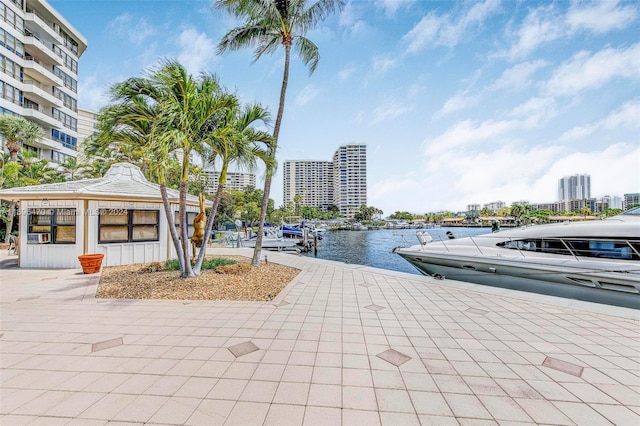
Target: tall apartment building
column 311, row 179
column 576, row 187
column 350, row 178
column 630, row 200
column 235, row 181
column 495, row 205
column 341, row 182
column 39, row 52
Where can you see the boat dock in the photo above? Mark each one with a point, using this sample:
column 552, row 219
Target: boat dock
column 342, row 344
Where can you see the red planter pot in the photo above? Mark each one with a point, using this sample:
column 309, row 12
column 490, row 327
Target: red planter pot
column 90, row 263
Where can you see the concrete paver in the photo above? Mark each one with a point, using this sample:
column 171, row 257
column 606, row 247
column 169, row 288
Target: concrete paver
column 342, row 344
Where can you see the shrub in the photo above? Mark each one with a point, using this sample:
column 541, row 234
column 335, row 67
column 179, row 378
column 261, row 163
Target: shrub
column 212, row 263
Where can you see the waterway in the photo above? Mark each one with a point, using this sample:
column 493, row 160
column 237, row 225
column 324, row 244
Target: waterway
column 373, row 248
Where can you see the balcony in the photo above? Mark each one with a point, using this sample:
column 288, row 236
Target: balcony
column 34, row 69
column 31, row 18
column 40, row 93
column 40, row 116
column 40, row 50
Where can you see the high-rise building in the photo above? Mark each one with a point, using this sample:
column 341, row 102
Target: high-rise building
column 576, row 187
column 350, row 178
column 495, row 205
column 631, row 200
column 39, row 52
column 236, row 181
column 312, row 180
column 341, row 182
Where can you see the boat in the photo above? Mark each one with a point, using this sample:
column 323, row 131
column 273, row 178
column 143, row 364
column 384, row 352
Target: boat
column 596, row 261
column 272, row 240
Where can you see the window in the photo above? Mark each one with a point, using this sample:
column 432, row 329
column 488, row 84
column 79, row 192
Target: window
column 127, row 226
column 190, row 218
column 51, row 226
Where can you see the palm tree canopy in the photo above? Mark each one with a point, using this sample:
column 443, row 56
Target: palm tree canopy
column 15, row 129
column 271, row 23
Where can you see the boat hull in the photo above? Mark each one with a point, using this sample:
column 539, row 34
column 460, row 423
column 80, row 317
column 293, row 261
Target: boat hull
column 564, row 279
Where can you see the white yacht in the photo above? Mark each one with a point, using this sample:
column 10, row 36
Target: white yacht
column 598, row 261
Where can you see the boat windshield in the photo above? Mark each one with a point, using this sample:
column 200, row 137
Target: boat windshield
column 635, row 211
column 587, row 247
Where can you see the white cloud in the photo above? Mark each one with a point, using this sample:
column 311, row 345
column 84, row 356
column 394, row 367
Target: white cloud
column 136, row 31
column 457, row 102
column 390, row 7
column 541, row 25
column 466, row 134
column 519, row 76
column 447, row 30
column 92, row 95
column 535, row 111
column 306, row 95
column 627, row 116
column 383, row 64
column 197, row 50
column 509, row 173
column 547, row 23
column 587, row 71
column 390, row 109
column 345, row 73
column 600, row 17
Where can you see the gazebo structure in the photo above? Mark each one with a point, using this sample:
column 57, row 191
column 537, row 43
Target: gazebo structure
column 120, row 215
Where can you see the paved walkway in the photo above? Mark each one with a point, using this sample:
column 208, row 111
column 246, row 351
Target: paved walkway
column 342, row 344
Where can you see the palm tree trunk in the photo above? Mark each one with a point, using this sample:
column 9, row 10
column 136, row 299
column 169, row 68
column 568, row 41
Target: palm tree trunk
column 172, row 226
column 188, row 272
column 11, row 212
column 255, row 261
column 13, row 147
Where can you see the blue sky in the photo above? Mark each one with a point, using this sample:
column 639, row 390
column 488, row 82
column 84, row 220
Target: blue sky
column 458, row 102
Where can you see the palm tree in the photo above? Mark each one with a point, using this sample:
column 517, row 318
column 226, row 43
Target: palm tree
column 165, row 111
column 15, row 130
column 233, row 139
column 267, row 25
column 72, row 170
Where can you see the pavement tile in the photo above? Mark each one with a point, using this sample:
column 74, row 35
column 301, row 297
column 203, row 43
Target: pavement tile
column 284, row 415
column 504, row 408
column 360, row 418
column 196, row 387
column 405, row 419
column 431, row 403
column 292, row 393
column 544, row 412
column 327, row 375
column 617, row 414
column 466, row 406
column 322, row 416
column 247, row 413
column 141, row 409
column 14, row 398
column 395, row 400
column 176, row 410
column 325, row 395
column 581, row 414
column 211, row 412
column 258, row 391
column 227, row 389
column 108, row 406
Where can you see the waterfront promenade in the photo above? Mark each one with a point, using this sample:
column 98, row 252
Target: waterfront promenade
column 342, row 344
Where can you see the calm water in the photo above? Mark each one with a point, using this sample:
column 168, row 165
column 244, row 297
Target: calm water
column 373, row 248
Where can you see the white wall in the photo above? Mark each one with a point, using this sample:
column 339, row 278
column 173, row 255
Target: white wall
column 50, row 255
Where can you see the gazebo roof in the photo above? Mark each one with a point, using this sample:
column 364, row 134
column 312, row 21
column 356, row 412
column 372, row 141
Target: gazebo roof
column 123, row 181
